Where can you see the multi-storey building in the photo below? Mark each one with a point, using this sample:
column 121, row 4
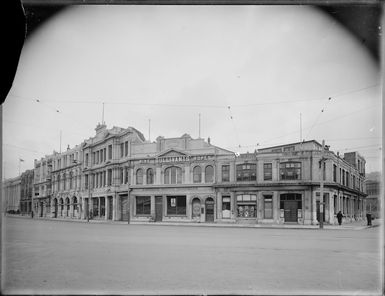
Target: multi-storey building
column 282, row 184
column 66, row 176
column 41, row 198
column 373, row 190
column 26, row 192
column 118, row 175
column 11, row 195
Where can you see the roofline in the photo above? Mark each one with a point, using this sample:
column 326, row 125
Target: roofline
column 283, row 145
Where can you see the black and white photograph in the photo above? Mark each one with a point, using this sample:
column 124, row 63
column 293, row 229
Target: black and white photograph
column 192, row 148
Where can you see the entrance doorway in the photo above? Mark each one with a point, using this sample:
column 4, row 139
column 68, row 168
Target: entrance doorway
column 158, row 208
column 55, row 208
column 196, row 209
column 124, row 208
column 319, row 212
column 209, row 210
column 291, row 204
column 109, row 215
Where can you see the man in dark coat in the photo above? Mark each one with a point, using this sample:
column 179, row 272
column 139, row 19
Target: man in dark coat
column 369, row 218
column 339, row 217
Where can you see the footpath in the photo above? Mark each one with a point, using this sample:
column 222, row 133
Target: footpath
column 356, row 225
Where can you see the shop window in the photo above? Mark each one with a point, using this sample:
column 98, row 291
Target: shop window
column 268, row 207
column 173, row 175
column 246, row 172
column 150, row 176
column 143, row 205
column 102, row 207
column 197, row 174
column 290, row 170
column 267, row 171
column 226, row 207
column 176, row 205
column 209, row 174
column 225, row 173
column 247, row 206
column 139, row 177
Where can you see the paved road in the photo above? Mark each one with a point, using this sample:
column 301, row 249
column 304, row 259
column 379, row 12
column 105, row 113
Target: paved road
column 68, row 257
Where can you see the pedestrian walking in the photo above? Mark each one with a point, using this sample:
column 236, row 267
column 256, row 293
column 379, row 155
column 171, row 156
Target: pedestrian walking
column 339, row 217
column 369, row 219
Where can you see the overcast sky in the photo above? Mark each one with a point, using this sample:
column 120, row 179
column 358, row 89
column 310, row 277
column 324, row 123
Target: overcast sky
column 250, row 71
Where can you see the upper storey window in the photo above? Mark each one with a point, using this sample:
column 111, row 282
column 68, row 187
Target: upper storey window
column 197, row 174
column 173, row 175
column 290, row 170
column 139, row 176
column 246, row 172
column 209, row 174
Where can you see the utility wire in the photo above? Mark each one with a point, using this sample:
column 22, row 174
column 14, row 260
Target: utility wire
column 235, row 128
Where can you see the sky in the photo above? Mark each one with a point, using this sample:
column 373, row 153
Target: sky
column 256, row 76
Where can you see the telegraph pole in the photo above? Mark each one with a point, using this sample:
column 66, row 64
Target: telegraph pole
column 321, row 200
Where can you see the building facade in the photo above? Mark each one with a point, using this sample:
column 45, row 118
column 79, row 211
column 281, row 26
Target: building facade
column 118, row 175
column 26, row 192
column 373, row 189
column 11, row 195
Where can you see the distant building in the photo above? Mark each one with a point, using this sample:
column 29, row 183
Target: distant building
column 373, row 190
column 26, row 192
column 11, row 195
column 41, row 199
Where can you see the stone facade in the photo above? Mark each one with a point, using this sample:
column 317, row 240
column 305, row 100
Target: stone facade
column 118, row 175
column 26, row 192
column 11, row 195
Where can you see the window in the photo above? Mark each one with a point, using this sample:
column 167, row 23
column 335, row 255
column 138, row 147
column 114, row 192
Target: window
column 226, row 207
column 246, row 172
column 288, row 149
column 247, row 206
column 109, row 151
column 126, row 177
column 139, row 176
column 58, row 182
column 176, row 205
column 290, row 171
column 150, row 176
column 71, row 176
column 197, row 174
column 121, row 173
column 292, row 197
column 277, row 150
column 267, row 171
column 121, row 150
column 87, row 159
column 225, row 173
column 64, row 181
column 343, row 177
column 268, row 207
column 347, row 179
column 105, row 153
column 334, row 173
column 126, row 148
column 143, row 205
column 109, row 177
column 173, row 175
column 209, row 174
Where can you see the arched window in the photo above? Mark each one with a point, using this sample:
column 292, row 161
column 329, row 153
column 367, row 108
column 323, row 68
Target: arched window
column 139, row 176
column 67, row 206
column 173, row 175
column 150, row 176
column 197, row 174
column 61, row 206
column 209, row 174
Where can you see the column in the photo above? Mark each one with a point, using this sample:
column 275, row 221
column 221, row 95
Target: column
column 233, row 206
column 152, row 207
column 276, row 209
column 314, row 208
column 219, row 205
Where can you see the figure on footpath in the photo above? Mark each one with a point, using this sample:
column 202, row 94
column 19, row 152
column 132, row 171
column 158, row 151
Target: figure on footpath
column 339, row 217
column 369, row 219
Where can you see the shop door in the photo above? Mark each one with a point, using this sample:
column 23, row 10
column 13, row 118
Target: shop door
column 291, row 211
column 124, row 208
column 158, row 208
column 319, row 212
column 41, row 209
column 109, row 208
column 55, row 209
column 209, row 210
column 196, row 209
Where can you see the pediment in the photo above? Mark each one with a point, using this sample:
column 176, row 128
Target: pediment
column 172, row 153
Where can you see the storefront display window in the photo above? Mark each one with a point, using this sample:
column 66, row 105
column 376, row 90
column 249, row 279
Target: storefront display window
column 176, row 205
column 143, row 205
column 268, row 207
column 226, row 207
column 247, row 206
